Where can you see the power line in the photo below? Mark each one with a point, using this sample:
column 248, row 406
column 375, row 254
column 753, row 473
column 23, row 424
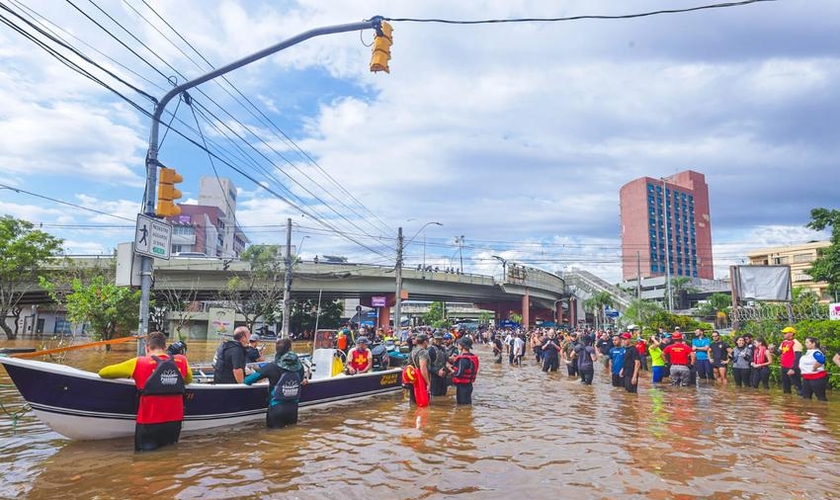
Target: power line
column 80, row 207
column 576, row 18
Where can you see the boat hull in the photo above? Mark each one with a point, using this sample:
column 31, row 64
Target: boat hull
column 81, row 405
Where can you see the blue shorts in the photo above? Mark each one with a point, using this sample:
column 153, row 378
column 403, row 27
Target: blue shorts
column 658, row 372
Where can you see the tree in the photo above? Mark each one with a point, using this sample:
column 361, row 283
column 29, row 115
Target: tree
column 258, row 293
column 716, row 306
column 596, row 305
column 436, row 316
column 109, row 310
column 641, row 311
column 826, row 267
column 23, row 252
column 305, row 315
column 680, row 285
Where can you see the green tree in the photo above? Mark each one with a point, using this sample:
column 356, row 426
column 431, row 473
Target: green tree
column 109, row 310
column 717, row 307
column 641, row 311
column 258, row 294
column 23, row 252
column 305, row 312
column 596, row 305
column 827, row 265
column 680, row 285
column 436, row 316
column 485, row 318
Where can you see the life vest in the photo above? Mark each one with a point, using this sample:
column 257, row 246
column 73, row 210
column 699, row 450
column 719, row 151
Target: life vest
column 288, row 387
column 341, row 342
column 787, row 355
column 358, row 359
column 159, row 407
column 468, row 375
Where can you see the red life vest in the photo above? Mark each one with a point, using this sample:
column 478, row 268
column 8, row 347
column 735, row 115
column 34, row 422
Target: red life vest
column 358, row 359
column 468, row 375
column 158, row 409
column 787, row 356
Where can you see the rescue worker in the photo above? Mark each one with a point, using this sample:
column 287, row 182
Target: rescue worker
column 680, row 356
column 160, row 380
column 466, row 369
column 438, row 368
column 789, row 352
column 359, row 359
column 416, row 374
column 230, row 359
column 285, row 380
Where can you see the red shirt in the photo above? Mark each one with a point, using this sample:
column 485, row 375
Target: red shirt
column 358, row 359
column 678, row 354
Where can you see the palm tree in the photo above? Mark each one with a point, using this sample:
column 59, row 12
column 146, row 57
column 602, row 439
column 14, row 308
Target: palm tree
column 596, row 305
column 640, row 311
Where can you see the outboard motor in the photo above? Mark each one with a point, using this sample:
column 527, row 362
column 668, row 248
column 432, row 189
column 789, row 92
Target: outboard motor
column 381, row 360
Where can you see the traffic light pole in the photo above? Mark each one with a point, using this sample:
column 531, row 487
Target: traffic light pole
column 152, row 154
column 398, row 296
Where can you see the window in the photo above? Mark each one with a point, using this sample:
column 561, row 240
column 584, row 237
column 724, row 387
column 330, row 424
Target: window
column 780, row 260
column 803, row 257
column 63, row 326
column 654, row 268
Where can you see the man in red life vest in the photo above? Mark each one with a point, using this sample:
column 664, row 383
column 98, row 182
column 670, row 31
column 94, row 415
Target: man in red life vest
column 160, row 380
column 789, row 351
column 680, row 356
column 359, row 359
column 465, row 365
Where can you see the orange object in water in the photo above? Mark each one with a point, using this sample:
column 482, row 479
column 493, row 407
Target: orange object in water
column 342, row 342
column 412, row 375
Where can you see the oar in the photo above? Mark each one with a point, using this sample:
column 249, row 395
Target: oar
column 73, row 347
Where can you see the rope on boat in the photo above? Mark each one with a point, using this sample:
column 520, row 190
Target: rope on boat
column 16, row 414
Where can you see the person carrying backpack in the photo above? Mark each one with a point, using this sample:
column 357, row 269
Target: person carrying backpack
column 285, row 383
column 160, row 380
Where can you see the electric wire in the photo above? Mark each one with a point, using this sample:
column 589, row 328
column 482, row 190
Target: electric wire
column 54, row 200
column 264, row 118
column 576, row 18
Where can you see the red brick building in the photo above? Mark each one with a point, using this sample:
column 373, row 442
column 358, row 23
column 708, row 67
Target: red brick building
column 684, row 222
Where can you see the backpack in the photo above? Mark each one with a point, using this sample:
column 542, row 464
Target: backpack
column 165, row 379
column 288, row 387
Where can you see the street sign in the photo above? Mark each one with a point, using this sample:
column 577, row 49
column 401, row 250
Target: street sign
column 612, row 314
column 152, row 237
column 378, row 301
column 834, row 311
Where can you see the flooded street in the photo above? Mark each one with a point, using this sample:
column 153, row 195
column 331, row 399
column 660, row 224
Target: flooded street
column 528, row 435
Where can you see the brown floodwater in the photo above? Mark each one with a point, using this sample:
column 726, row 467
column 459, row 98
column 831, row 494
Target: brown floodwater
column 529, row 435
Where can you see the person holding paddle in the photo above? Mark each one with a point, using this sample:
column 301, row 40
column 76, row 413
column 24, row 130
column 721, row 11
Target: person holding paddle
column 160, row 380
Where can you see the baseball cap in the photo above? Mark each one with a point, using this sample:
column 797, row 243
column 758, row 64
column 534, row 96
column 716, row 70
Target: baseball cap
column 789, row 329
column 466, row 342
column 421, row 337
column 254, row 338
column 362, row 340
column 676, row 336
column 626, row 335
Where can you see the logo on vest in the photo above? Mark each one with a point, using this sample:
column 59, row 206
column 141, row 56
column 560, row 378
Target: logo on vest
column 169, row 377
column 290, row 389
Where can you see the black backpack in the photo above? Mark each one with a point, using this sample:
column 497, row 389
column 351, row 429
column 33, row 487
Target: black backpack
column 166, row 379
column 288, row 387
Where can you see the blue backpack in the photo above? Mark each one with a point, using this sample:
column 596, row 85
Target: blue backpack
column 288, row 388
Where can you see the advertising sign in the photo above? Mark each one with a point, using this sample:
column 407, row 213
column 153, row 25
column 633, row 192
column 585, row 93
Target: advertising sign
column 378, row 301
column 834, row 311
column 220, row 322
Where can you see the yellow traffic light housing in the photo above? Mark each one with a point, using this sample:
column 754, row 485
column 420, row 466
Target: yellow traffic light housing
column 167, row 194
column 381, row 51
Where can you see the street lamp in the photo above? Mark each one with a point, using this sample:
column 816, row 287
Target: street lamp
column 459, row 240
column 504, row 267
column 400, row 246
column 667, row 216
column 300, row 246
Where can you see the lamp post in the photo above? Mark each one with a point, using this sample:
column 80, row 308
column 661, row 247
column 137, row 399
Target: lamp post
column 667, row 217
column 504, row 267
column 400, row 247
column 300, row 247
column 459, row 240
column 152, row 162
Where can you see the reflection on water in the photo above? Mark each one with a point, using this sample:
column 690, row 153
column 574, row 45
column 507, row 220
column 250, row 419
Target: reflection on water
column 529, row 435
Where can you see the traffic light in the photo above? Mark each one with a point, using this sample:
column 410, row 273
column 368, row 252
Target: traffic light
column 381, row 51
column 167, row 194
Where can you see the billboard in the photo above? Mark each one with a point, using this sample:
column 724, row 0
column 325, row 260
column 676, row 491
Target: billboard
column 378, row 301
column 834, row 311
column 770, row 283
column 220, row 321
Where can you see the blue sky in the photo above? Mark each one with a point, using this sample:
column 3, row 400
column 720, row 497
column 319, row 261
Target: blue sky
column 516, row 136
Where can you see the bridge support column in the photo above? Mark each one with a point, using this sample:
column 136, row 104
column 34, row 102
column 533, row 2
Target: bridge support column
column 384, row 319
column 573, row 319
column 526, row 309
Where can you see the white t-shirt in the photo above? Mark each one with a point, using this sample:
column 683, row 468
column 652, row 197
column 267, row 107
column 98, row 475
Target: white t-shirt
column 518, row 347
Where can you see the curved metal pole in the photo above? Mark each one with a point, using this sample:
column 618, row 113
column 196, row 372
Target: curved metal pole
column 152, row 154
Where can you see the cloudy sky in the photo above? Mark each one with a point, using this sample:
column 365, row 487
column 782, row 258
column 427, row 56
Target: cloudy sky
column 515, row 136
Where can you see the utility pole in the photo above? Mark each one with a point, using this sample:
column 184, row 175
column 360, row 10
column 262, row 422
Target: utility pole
column 638, row 275
column 287, row 280
column 382, row 46
column 459, row 240
column 398, row 269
